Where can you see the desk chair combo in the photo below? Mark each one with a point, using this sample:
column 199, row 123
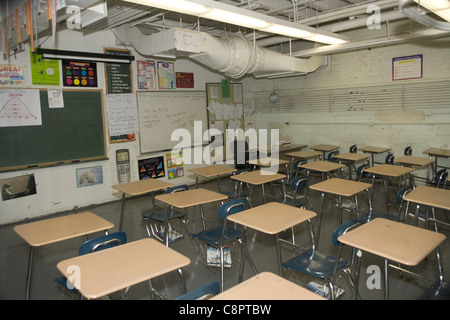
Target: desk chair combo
column 222, row 235
column 324, row 266
column 157, row 222
column 96, row 244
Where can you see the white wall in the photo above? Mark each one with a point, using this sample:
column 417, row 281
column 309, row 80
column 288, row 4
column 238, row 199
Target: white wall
column 388, row 128
column 56, row 186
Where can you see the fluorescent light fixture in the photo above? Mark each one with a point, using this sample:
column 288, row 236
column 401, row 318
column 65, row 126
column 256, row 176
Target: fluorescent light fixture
column 235, row 18
column 226, row 13
column 438, row 7
column 83, row 56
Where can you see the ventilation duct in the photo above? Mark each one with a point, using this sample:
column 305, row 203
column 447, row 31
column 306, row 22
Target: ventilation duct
column 234, row 55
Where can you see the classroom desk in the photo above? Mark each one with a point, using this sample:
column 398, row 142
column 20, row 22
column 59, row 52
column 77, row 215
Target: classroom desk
column 137, row 188
column 437, row 153
column 341, row 188
column 271, row 162
column 107, row 271
column 323, row 167
column 259, row 178
column 373, row 151
column 190, row 198
column 53, row 230
column 267, row 286
column 387, row 171
column 324, row 148
column 417, row 162
column 393, row 241
column 428, row 196
column 215, row 170
column 271, row 218
column 350, row 159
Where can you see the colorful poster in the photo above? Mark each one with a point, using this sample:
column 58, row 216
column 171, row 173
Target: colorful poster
column 147, row 74
column 151, row 168
column 11, row 75
column 185, row 80
column 175, row 168
column 409, row 67
column 44, row 71
column 166, row 75
column 79, row 74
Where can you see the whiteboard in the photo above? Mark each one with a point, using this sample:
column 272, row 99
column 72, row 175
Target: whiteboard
column 161, row 112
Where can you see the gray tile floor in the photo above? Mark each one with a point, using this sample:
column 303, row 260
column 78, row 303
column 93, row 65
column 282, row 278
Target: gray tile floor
column 14, row 255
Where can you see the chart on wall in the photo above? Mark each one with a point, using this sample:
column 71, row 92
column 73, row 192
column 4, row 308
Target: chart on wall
column 151, row 168
column 225, row 108
column 79, row 74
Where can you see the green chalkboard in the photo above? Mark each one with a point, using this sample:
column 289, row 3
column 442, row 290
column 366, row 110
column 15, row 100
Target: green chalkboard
column 70, row 134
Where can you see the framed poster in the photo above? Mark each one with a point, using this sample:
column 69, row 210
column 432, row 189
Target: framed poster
column 166, row 75
column 408, row 67
column 151, row 168
column 146, row 77
column 118, row 75
column 79, row 74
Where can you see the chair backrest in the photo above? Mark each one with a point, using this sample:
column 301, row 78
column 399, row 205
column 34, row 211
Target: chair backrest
column 103, row 242
column 241, row 171
column 203, row 293
column 440, row 177
column 232, row 207
column 181, row 187
column 344, row 228
column 299, row 183
column 389, row 159
column 332, row 154
column 407, row 151
column 353, row 149
column 361, row 168
column 401, row 194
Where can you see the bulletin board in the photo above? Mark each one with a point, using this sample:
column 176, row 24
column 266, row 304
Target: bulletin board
column 225, row 108
column 70, row 134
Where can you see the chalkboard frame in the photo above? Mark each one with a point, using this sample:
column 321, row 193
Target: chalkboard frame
column 35, row 151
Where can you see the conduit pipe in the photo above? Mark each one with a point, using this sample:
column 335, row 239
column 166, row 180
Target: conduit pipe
column 234, row 55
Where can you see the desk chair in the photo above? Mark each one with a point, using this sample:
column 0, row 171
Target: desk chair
column 440, row 179
column 158, row 221
column 203, row 293
column 219, row 236
column 296, row 168
column 353, row 149
column 324, row 266
column 93, row 245
column 360, row 173
column 407, row 151
column 237, row 191
column 331, row 156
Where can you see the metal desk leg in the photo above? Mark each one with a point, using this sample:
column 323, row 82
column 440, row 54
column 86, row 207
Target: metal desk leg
column 322, row 197
column 182, row 281
column 386, row 279
column 30, row 267
column 122, row 207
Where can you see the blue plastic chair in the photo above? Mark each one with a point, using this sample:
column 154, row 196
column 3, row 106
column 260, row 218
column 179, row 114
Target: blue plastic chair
column 360, row 173
column 439, row 179
column 219, row 236
column 407, row 151
column 331, row 156
column 353, row 149
column 96, row 244
column 296, row 167
column 297, row 185
column 203, row 293
column 237, row 189
column 321, row 265
column 157, row 218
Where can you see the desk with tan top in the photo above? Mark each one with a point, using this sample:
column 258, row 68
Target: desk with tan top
column 215, row 170
column 394, row 241
column 138, row 188
column 374, row 150
column 48, row 231
column 110, row 270
column 270, row 218
column 267, row 286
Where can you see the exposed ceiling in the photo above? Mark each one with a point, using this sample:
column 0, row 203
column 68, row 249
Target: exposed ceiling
column 337, row 16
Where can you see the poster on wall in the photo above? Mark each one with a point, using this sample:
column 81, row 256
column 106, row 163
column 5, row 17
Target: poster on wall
column 89, row 176
column 146, row 77
column 174, row 162
column 44, row 71
column 122, row 116
column 118, row 75
column 408, row 67
column 185, row 80
column 11, row 75
column 17, row 187
column 79, row 74
column 166, row 75
column 20, row 107
column 151, row 168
